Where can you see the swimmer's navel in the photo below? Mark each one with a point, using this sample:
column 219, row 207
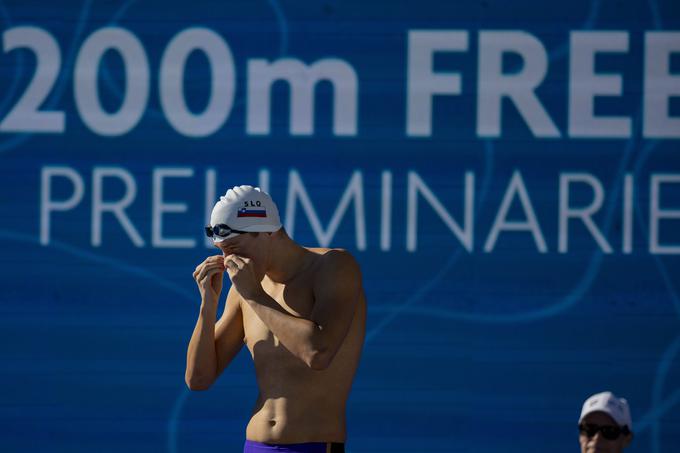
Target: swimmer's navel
column 272, row 422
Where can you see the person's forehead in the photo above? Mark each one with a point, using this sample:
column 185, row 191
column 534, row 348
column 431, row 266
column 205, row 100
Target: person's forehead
column 600, row 418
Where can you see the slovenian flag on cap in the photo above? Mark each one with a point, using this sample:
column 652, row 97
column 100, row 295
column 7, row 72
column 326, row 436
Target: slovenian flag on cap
column 244, row 212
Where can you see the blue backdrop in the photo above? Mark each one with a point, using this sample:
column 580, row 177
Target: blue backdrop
column 506, row 173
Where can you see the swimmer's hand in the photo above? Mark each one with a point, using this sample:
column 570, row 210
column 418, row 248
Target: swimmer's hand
column 208, row 276
column 241, row 271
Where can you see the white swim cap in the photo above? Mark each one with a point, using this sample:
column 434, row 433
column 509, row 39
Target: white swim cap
column 245, row 208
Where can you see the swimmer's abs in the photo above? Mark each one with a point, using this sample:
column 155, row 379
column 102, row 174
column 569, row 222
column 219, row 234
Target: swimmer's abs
column 280, row 426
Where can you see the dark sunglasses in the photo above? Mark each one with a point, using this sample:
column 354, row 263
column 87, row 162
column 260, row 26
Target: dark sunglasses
column 609, row 432
column 220, row 230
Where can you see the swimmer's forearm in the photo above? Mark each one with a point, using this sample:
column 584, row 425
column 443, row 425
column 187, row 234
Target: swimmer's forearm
column 201, row 356
column 302, row 337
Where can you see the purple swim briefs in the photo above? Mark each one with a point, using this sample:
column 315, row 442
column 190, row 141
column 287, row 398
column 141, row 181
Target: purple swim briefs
column 307, row 447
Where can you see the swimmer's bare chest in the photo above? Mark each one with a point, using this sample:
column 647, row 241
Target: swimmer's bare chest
column 278, row 371
column 296, row 299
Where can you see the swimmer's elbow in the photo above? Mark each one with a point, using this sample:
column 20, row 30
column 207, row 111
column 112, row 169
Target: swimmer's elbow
column 320, row 352
column 319, row 360
column 197, row 387
column 198, row 384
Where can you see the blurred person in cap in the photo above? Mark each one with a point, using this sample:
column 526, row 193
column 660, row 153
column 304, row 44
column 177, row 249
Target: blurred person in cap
column 300, row 311
column 605, row 425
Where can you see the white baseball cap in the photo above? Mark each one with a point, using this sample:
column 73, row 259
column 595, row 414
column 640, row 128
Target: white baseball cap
column 245, row 208
column 610, row 404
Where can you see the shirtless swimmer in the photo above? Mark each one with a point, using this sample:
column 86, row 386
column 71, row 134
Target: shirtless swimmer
column 301, row 312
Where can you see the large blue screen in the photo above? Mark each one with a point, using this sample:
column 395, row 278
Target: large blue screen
column 507, row 174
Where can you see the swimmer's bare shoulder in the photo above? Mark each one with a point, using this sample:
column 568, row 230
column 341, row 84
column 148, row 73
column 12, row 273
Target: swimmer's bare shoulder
column 336, row 263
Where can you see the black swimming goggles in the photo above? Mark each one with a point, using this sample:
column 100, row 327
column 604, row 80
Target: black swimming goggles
column 609, row 432
column 220, row 231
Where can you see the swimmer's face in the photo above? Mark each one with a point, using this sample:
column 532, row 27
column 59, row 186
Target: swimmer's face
column 249, row 245
column 597, row 443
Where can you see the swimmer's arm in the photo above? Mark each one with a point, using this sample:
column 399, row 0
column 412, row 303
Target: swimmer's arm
column 229, row 332
column 315, row 341
column 214, row 345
